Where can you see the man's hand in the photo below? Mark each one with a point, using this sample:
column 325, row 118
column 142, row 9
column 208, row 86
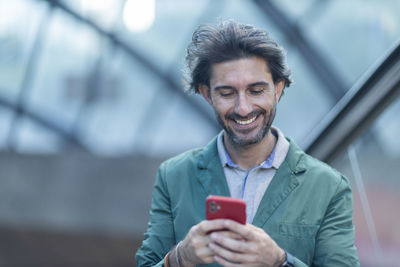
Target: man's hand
column 194, row 249
column 256, row 248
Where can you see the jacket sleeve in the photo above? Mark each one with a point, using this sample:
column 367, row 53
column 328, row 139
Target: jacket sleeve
column 159, row 237
column 335, row 238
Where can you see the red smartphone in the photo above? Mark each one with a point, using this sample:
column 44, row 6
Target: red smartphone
column 220, row 207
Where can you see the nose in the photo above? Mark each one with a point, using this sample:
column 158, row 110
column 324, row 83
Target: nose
column 242, row 105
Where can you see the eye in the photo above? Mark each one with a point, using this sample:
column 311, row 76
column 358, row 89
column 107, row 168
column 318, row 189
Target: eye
column 226, row 93
column 257, row 91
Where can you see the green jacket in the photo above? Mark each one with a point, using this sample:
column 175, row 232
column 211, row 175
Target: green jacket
column 307, row 208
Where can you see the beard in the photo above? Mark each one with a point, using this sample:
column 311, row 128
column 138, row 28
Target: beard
column 236, row 140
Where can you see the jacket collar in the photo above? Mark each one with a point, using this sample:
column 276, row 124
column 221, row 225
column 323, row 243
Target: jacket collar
column 286, row 179
column 210, row 172
column 211, row 175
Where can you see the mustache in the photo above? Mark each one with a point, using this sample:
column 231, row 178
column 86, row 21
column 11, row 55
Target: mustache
column 235, row 116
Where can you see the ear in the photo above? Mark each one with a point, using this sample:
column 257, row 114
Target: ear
column 205, row 92
column 279, row 86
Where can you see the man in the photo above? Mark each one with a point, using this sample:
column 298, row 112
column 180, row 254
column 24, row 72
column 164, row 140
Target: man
column 299, row 210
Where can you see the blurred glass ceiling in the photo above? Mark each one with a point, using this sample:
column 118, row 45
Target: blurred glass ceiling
column 80, row 74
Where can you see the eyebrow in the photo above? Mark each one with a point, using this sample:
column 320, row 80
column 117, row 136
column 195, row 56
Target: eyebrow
column 258, row 84
column 221, row 87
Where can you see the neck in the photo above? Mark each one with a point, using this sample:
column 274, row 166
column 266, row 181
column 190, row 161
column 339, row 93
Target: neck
column 250, row 156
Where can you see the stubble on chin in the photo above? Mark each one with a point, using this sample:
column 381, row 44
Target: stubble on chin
column 238, row 142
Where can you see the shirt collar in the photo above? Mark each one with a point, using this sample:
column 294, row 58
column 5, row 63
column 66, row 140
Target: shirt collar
column 281, row 147
column 274, row 160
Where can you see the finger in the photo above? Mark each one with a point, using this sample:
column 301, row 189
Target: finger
column 246, row 231
column 209, row 259
column 231, row 256
column 206, row 226
column 225, row 263
column 231, row 235
column 197, row 241
column 254, row 227
column 195, row 249
column 206, row 254
column 224, row 253
column 232, row 244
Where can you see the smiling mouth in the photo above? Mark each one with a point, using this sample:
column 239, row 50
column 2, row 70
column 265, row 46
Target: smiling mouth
column 245, row 122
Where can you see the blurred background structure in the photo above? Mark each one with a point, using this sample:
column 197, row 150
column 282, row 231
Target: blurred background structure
column 91, row 101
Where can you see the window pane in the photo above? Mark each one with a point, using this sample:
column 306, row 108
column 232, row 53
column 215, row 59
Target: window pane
column 104, row 13
column 62, row 82
column 19, row 21
column 354, row 34
column 33, row 138
column 110, row 124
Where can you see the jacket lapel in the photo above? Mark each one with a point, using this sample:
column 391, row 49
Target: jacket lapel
column 283, row 183
column 211, row 176
column 210, row 172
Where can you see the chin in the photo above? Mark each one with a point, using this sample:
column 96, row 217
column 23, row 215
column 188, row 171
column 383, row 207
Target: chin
column 245, row 141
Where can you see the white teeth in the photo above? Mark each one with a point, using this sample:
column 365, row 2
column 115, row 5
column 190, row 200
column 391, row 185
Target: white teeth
column 246, row 122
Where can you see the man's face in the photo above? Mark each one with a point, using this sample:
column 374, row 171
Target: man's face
column 244, row 97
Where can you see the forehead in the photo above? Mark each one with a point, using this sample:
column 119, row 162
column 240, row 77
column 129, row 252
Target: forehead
column 240, row 72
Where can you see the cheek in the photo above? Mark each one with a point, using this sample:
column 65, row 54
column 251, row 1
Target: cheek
column 266, row 104
column 223, row 107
